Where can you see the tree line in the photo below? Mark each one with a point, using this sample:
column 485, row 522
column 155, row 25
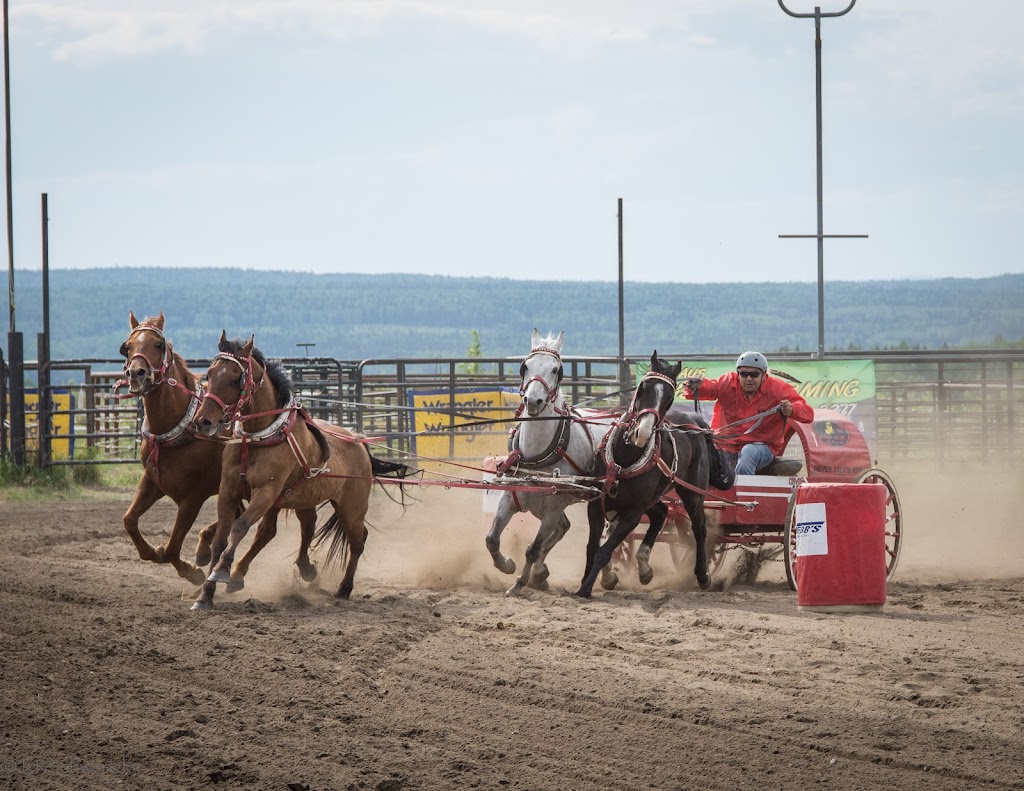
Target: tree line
column 361, row 316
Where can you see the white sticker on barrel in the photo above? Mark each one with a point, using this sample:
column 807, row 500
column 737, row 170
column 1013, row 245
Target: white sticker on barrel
column 811, row 529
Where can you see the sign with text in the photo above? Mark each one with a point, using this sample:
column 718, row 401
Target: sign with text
column 846, row 386
column 451, row 424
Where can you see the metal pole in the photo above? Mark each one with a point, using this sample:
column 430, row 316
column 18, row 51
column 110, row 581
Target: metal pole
column 821, row 213
column 45, row 412
column 10, row 210
column 818, row 15
column 623, row 385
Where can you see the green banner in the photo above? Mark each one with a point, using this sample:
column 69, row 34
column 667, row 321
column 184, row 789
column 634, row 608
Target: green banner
column 845, row 386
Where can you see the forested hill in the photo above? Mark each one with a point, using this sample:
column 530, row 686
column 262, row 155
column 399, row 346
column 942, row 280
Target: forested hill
column 355, row 317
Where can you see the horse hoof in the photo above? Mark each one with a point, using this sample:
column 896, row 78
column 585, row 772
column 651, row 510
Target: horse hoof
column 704, row 583
column 308, row 572
column 195, row 576
column 219, row 575
column 515, row 590
column 235, row 585
column 583, row 594
column 609, row 579
column 203, row 557
column 201, row 606
column 505, row 565
column 540, row 574
column 646, row 576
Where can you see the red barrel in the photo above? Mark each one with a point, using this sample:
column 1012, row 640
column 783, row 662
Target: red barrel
column 840, row 547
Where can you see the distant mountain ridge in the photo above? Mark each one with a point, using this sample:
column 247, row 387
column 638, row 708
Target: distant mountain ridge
column 360, row 316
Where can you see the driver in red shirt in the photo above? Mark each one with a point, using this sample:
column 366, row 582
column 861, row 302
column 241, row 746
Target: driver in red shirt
column 750, row 390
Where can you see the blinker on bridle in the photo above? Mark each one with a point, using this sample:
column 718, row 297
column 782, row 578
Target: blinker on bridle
column 552, row 392
column 155, row 375
column 247, row 386
column 632, row 415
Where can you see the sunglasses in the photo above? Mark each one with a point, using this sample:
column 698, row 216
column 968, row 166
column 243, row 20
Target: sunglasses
column 749, row 374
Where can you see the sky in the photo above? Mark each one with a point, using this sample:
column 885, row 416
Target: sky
column 492, row 138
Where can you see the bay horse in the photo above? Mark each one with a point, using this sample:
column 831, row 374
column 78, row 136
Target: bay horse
column 552, row 439
column 280, row 458
column 640, row 459
column 174, row 463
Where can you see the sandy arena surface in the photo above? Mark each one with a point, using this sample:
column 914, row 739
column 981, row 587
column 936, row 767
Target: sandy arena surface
column 430, row 678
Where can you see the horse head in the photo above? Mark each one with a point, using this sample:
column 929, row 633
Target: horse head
column 541, row 372
column 147, row 354
column 232, row 380
column 652, row 399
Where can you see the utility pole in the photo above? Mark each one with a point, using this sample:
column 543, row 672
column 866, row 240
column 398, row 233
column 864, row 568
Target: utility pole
column 15, row 343
column 821, row 236
column 623, row 371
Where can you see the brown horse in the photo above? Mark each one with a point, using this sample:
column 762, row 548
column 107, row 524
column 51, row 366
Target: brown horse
column 174, row 463
column 281, row 459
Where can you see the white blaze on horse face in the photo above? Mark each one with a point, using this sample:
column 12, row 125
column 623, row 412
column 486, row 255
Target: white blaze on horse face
column 640, row 434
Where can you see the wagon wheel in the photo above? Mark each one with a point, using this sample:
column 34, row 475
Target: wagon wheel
column 893, row 526
column 789, row 540
column 680, row 550
column 893, row 518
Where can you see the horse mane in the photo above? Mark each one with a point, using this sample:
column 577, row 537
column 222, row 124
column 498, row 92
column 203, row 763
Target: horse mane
column 278, row 376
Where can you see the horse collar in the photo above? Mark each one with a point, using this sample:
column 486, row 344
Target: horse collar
column 181, row 431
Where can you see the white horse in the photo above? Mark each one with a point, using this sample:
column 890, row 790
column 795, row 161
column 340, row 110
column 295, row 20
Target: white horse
column 552, row 440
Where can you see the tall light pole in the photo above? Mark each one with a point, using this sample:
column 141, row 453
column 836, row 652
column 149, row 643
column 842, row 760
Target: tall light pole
column 820, row 236
column 15, row 344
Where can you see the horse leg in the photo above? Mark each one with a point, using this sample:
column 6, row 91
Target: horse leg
column 694, row 505
column 506, row 509
column 204, row 552
column 264, row 534
column 624, row 525
column 540, row 568
column 656, row 515
column 146, row 493
column 595, row 520
column 550, row 524
column 228, row 503
column 356, row 534
column 307, row 529
column 188, row 510
column 260, row 503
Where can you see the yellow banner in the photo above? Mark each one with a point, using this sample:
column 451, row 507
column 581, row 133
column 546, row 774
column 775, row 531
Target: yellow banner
column 451, row 425
column 61, row 401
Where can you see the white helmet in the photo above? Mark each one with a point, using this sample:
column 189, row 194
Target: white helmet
column 752, row 360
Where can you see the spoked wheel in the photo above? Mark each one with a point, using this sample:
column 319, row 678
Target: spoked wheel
column 893, row 518
column 683, row 549
column 789, row 540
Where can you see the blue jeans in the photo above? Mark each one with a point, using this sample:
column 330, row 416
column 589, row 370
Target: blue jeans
column 751, row 458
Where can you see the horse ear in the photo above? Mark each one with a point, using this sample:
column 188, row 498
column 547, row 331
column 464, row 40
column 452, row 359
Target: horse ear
column 160, row 321
column 535, row 339
column 247, row 348
column 559, row 341
column 132, row 321
column 675, row 370
column 654, row 360
column 223, row 339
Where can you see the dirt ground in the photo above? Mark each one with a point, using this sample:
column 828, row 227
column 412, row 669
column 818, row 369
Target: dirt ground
column 429, row 677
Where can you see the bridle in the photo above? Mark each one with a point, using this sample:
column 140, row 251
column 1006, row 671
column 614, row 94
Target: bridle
column 155, row 377
column 632, row 415
column 247, row 386
column 551, row 391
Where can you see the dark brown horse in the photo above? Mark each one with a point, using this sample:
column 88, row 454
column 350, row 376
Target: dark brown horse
column 640, row 459
column 174, row 463
column 280, row 458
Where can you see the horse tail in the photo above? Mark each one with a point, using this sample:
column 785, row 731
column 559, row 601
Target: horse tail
column 333, row 531
column 390, row 469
